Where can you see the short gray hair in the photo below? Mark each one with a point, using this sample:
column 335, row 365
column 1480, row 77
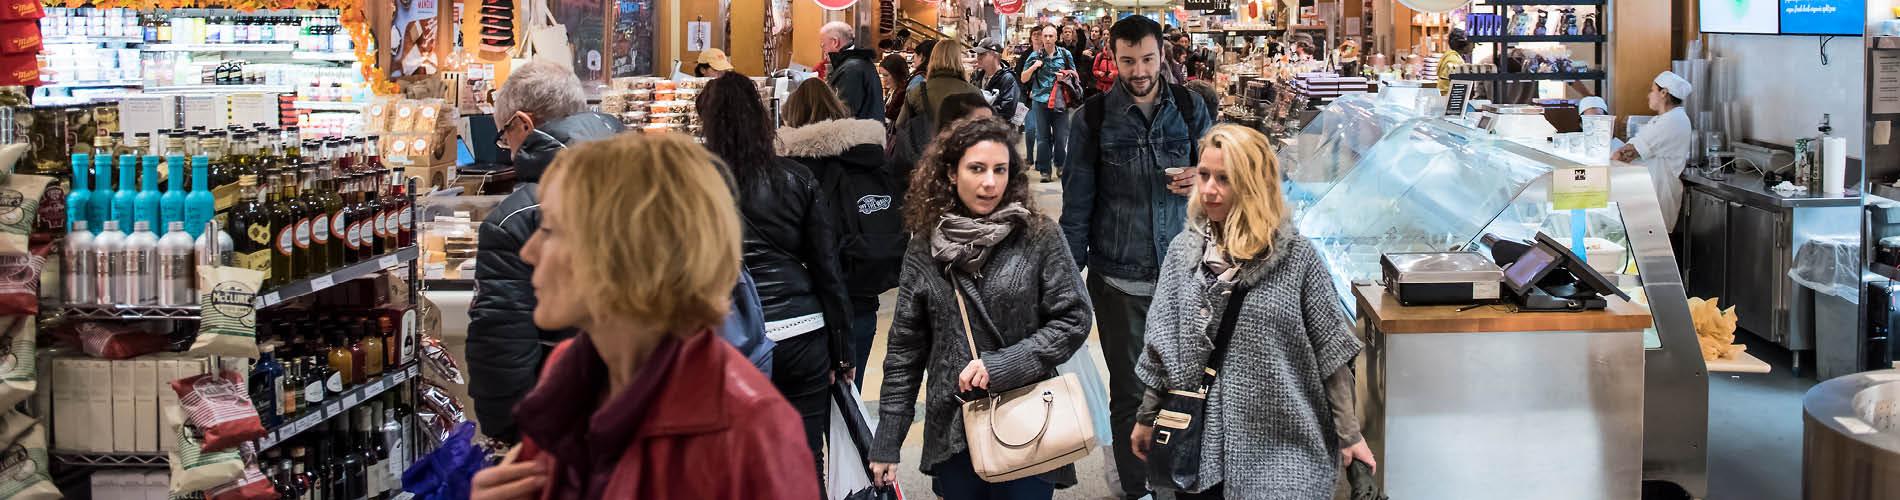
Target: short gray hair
column 546, row 91
column 840, row 30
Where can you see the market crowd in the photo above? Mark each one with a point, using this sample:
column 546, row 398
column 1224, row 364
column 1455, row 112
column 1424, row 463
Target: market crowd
column 657, row 318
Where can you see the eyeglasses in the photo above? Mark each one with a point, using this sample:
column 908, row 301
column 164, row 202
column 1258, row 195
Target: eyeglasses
column 501, row 133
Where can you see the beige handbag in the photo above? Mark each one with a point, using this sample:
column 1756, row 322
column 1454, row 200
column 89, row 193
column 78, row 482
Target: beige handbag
column 1028, row 431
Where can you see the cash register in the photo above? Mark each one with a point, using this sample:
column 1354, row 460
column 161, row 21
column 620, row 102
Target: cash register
column 1544, row 276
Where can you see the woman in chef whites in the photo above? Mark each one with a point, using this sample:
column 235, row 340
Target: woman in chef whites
column 1663, row 144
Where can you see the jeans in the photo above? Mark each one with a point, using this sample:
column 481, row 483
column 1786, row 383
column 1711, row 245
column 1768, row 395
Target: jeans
column 1051, row 130
column 1122, row 322
column 1029, row 129
column 801, row 369
column 957, row 480
column 863, row 333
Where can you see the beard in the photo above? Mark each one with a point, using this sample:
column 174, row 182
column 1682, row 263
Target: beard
column 1142, row 86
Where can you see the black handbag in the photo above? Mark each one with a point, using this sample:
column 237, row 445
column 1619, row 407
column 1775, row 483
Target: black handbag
column 1174, row 456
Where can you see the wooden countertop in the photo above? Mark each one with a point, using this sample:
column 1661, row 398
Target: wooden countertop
column 1382, row 311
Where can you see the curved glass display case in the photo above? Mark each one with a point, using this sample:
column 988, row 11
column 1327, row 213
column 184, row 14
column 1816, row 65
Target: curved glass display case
column 1332, row 144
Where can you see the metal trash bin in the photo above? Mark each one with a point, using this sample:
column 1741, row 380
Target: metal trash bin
column 1828, row 303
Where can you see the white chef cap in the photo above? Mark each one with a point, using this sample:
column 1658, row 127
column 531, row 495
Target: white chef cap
column 1589, row 102
column 1676, row 85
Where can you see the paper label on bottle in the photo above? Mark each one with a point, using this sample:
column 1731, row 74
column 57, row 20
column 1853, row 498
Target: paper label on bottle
column 355, row 238
column 287, row 239
column 313, row 393
column 224, row 197
column 303, row 233
column 335, row 384
column 320, row 229
column 390, row 219
column 402, row 221
column 339, row 227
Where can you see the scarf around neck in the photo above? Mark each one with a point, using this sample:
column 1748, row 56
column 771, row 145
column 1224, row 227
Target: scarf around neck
column 964, row 243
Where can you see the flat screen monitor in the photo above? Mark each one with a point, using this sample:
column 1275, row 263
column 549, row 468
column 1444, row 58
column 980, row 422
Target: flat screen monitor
column 1741, row 16
column 1536, row 262
column 1823, row 17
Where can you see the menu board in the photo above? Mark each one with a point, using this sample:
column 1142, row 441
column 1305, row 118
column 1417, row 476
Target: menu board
column 1823, row 17
column 1740, row 16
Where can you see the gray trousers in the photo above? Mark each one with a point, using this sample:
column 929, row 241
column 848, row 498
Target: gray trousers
column 1121, row 320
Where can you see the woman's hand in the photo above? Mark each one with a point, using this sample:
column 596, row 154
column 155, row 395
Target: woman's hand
column 1141, row 439
column 883, row 474
column 516, row 481
column 1358, row 451
column 974, row 376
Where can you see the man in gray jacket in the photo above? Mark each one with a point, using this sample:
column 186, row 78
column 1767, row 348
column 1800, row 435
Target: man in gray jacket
column 853, row 71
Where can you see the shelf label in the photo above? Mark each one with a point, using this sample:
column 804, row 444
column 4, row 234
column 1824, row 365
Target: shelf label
column 386, row 262
column 378, row 386
column 414, row 369
column 321, row 282
column 333, row 409
column 270, row 299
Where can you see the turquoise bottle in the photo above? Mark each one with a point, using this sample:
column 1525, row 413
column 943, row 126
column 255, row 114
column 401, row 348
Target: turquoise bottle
column 145, row 203
column 125, row 193
column 99, row 205
column 78, row 200
column 171, row 205
column 199, row 204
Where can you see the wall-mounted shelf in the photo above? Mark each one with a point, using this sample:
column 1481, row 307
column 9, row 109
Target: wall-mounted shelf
column 269, row 298
column 221, row 47
column 342, row 404
column 1523, row 77
column 1540, row 38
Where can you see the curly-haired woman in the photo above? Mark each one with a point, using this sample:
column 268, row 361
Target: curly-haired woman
column 975, row 233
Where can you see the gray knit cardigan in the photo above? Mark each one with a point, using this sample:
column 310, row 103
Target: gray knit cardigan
column 1269, row 431
column 1030, row 290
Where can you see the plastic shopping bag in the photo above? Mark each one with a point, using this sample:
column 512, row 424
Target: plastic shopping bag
column 847, row 472
column 446, row 473
column 1083, row 365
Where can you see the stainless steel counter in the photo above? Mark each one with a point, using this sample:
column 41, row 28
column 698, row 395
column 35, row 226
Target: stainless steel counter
column 1749, row 188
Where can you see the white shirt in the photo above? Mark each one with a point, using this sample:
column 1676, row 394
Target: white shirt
column 1665, row 144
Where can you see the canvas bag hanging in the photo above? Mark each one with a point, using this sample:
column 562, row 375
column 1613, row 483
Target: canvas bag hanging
column 1027, row 431
column 546, row 38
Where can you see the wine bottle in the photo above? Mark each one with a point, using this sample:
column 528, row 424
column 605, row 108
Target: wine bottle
column 145, row 202
column 79, row 199
column 122, row 199
column 176, row 267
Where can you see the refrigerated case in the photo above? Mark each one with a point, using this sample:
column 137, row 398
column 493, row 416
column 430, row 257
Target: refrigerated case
column 1434, row 185
column 1331, row 145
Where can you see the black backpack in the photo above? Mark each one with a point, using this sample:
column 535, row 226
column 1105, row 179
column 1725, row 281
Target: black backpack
column 871, row 235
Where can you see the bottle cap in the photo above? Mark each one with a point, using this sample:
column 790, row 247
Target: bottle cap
column 77, row 226
column 112, row 225
column 174, row 226
column 141, row 226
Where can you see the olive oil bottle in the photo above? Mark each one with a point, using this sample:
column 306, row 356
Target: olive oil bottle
column 251, row 230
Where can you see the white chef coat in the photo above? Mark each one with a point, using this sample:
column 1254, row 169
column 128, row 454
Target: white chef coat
column 1664, row 144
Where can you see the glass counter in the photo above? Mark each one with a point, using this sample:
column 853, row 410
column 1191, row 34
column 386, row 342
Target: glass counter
column 450, row 227
column 1330, row 146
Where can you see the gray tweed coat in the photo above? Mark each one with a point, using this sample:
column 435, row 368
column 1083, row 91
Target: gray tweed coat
column 1030, row 290
column 1269, row 431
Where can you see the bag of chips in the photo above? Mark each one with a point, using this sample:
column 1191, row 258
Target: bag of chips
column 252, row 486
column 195, row 469
column 19, row 367
column 20, row 281
column 219, row 406
column 23, row 462
column 227, row 303
column 19, row 210
column 118, row 340
column 441, row 362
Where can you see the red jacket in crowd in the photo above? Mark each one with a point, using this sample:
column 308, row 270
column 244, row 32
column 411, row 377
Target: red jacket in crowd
column 1105, row 71
column 697, row 422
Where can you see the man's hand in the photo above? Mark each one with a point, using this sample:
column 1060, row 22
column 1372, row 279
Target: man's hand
column 1183, row 183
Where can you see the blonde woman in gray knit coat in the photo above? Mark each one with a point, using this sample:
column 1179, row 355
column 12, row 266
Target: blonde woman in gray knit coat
column 1279, row 420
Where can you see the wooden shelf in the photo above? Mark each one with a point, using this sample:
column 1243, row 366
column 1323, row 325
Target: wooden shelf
column 1540, row 38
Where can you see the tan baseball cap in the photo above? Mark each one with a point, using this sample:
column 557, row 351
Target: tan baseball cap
column 716, row 59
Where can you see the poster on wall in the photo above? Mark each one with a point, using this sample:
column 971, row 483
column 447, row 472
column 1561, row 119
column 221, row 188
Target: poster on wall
column 1823, row 17
column 586, row 22
column 413, row 27
column 633, row 38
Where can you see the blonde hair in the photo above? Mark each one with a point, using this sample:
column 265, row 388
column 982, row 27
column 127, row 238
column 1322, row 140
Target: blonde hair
column 1259, row 208
column 661, row 242
column 946, row 57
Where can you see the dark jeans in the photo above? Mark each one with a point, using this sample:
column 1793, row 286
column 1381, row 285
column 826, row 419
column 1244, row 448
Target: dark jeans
column 1122, row 322
column 801, row 369
column 957, row 480
column 863, row 333
column 1213, row 493
column 1051, row 130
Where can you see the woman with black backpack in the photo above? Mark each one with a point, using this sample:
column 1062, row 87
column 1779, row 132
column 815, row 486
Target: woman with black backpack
column 847, row 157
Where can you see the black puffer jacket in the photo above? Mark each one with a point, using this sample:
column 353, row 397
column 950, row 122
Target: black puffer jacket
column 791, row 249
column 836, row 148
column 854, row 77
column 505, row 349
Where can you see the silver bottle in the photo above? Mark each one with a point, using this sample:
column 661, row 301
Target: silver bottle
column 141, row 265
column 176, row 268
column 76, row 265
column 214, row 246
column 108, row 249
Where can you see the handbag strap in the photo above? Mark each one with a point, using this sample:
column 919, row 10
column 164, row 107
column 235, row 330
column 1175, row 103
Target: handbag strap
column 964, row 314
column 1224, row 335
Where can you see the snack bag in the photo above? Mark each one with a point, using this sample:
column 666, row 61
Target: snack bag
column 23, row 461
column 20, row 281
column 227, row 300
column 220, row 407
column 194, row 469
column 19, row 368
column 251, row 486
column 20, row 210
column 118, row 340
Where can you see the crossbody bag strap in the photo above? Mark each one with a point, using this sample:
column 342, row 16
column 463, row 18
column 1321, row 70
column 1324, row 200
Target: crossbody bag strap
column 964, row 314
column 1224, row 335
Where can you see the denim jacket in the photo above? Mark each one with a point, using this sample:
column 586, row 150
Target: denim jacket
column 1117, row 212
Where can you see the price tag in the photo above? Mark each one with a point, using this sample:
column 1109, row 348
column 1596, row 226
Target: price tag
column 378, row 386
column 414, row 369
column 386, row 262
column 307, row 422
column 270, row 300
column 321, row 282
column 352, row 399
column 333, row 409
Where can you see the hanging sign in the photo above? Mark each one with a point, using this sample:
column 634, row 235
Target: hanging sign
column 836, row 4
column 1580, row 188
column 1009, row 7
column 1204, row 4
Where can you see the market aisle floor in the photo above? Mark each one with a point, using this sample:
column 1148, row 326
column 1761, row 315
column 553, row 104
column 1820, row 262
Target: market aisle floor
column 1754, row 420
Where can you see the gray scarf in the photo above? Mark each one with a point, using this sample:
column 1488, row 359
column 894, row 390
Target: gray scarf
column 963, row 244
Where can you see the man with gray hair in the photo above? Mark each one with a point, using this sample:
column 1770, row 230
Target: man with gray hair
column 539, row 111
column 853, row 73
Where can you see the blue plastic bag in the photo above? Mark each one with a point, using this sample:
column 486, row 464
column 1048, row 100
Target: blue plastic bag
column 446, row 473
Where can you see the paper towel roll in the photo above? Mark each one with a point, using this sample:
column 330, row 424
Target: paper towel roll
column 1833, row 165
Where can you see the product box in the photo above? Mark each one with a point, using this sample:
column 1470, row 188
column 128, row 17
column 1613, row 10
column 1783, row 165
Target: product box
column 158, row 485
column 20, row 37
column 145, row 404
column 21, row 10
column 167, row 369
column 19, row 69
column 97, row 422
column 124, row 416
column 68, row 403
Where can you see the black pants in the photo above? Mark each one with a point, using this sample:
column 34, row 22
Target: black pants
column 801, row 369
column 1122, row 322
column 956, row 479
column 1214, row 493
column 863, row 333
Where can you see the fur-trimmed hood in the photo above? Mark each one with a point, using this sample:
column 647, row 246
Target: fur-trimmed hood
column 830, row 138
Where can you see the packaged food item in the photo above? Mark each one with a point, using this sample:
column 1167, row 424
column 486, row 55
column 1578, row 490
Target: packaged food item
column 23, row 461
column 196, row 469
column 220, row 407
column 447, row 411
column 20, row 210
column 376, row 117
column 227, row 303
column 440, row 362
column 405, row 119
column 251, row 486
column 19, row 367
column 20, row 281
column 118, row 340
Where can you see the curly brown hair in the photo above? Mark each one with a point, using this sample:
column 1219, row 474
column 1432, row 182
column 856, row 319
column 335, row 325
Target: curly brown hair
column 932, row 194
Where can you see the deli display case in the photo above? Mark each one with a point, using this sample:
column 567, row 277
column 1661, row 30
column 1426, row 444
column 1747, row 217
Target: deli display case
column 1432, row 185
column 1329, row 146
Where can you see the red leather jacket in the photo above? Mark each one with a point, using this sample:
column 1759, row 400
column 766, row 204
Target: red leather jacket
column 715, row 428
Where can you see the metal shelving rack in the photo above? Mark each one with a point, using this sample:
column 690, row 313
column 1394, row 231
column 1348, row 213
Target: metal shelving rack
column 1505, row 42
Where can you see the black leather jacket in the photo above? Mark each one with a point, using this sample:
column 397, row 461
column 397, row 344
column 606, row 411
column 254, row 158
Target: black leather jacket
column 791, row 249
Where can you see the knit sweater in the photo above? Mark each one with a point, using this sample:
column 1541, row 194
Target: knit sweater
column 1269, row 427
column 1028, row 313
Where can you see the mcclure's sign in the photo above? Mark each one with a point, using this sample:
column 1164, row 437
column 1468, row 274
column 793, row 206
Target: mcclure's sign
column 836, row 4
column 1007, row 7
